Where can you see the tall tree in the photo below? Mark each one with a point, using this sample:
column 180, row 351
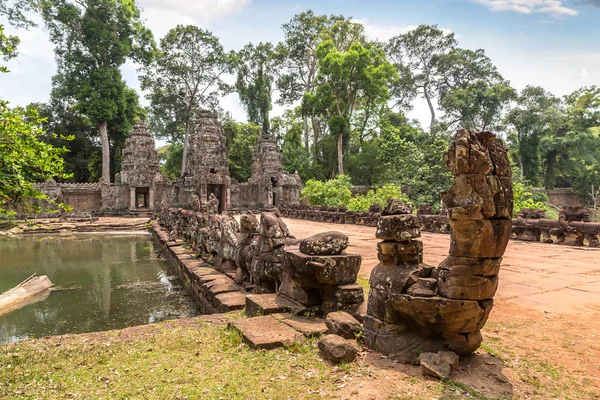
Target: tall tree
column 418, row 52
column 302, row 35
column 347, row 80
column 93, row 38
column 185, row 76
column 530, row 120
column 256, row 68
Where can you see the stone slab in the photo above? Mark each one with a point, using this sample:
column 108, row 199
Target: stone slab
column 309, row 327
column 230, row 301
column 272, row 303
column 266, row 332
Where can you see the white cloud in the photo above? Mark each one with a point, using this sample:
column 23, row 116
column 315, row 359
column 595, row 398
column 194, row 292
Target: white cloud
column 582, row 74
column 554, row 7
column 384, row 33
column 162, row 16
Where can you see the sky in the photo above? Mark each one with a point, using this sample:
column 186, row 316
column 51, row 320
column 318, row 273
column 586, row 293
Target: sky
column 549, row 43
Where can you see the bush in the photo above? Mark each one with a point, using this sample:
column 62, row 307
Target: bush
column 525, row 198
column 379, row 196
column 333, row 193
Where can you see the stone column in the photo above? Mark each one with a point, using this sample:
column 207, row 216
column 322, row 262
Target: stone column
column 151, row 198
column 132, row 205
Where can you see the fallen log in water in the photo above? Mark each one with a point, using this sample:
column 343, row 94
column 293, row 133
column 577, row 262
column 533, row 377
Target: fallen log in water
column 31, row 290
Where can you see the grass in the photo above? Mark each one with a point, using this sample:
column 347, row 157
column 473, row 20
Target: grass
column 208, row 362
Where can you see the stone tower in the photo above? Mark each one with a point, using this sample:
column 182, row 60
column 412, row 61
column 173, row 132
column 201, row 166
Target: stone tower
column 140, row 167
column 274, row 185
column 206, row 165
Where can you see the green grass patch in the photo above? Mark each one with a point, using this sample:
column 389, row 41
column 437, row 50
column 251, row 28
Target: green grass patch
column 171, row 362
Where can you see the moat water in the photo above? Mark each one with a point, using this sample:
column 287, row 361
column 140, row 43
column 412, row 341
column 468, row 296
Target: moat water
column 101, row 282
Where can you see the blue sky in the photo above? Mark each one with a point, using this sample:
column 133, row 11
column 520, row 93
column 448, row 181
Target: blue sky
column 551, row 43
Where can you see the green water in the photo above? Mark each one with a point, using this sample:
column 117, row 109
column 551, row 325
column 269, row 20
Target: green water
column 112, row 281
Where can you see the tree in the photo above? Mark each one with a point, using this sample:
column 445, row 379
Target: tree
column 472, row 93
column 302, row 34
column 416, row 56
column 241, row 139
column 256, row 71
column 8, row 48
column 62, row 120
column 530, row 120
column 24, row 159
column 347, row 80
column 93, row 38
column 185, row 76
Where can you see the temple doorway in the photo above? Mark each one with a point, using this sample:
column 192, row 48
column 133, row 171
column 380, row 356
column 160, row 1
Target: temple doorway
column 218, row 191
column 274, row 198
column 142, row 197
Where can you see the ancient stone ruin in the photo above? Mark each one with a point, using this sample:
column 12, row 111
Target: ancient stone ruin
column 206, row 169
column 269, row 186
column 140, row 168
column 414, row 307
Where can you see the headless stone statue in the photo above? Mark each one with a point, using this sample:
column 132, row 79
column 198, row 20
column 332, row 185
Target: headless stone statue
column 213, row 204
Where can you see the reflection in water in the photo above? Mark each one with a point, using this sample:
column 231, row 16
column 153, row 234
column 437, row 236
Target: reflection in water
column 114, row 282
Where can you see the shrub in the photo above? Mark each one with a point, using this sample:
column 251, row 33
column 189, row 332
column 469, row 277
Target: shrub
column 378, row 196
column 525, row 198
column 333, row 193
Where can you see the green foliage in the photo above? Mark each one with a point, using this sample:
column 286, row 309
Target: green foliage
column 24, row 159
column 525, row 198
column 287, row 130
column 333, row 192
column 170, row 157
column 8, row 47
column 92, row 39
column 241, row 139
column 256, row 70
column 184, row 77
column 378, row 196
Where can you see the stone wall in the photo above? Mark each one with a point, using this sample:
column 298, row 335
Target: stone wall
column 561, row 197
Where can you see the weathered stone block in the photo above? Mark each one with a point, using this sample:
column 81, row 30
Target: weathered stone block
column 326, row 243
column 309, row 327
column 337, row 349
column 437, row 315
column 398, row 227
column 307, row 294
column 479, row 238
column 471, row 266
column 266, row 332
column 271, row 303
column 472, row 287
column 330, row 270
column 344, row 294
column 439, row 365
column 343, row 324
column 501, row 188
column 424, row 287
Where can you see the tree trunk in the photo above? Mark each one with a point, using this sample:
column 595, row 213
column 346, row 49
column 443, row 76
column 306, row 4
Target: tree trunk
column 306, row 134
column 430, row 104
column 186, row 147
column 105, row 151
column 340, row 150
column 316, row 133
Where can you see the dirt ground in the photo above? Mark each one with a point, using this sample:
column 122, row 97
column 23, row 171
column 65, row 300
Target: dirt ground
column 542, row 338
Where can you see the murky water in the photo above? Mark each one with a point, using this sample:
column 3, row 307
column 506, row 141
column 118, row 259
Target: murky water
column 103, row 282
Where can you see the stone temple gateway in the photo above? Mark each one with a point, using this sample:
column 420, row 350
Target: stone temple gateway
column 141, row 187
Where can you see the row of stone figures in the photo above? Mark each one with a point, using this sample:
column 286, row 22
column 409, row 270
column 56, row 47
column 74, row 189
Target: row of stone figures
column 263, row 257
column 412, row 307
column 573, row 227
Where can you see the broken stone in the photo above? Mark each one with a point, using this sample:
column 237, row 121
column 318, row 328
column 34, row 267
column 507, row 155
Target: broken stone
column 337, row 349
column 343, row 324
column 330, row 270
column 400, row 228
column 439, row 365
column 326, row 243
column 396, row 206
